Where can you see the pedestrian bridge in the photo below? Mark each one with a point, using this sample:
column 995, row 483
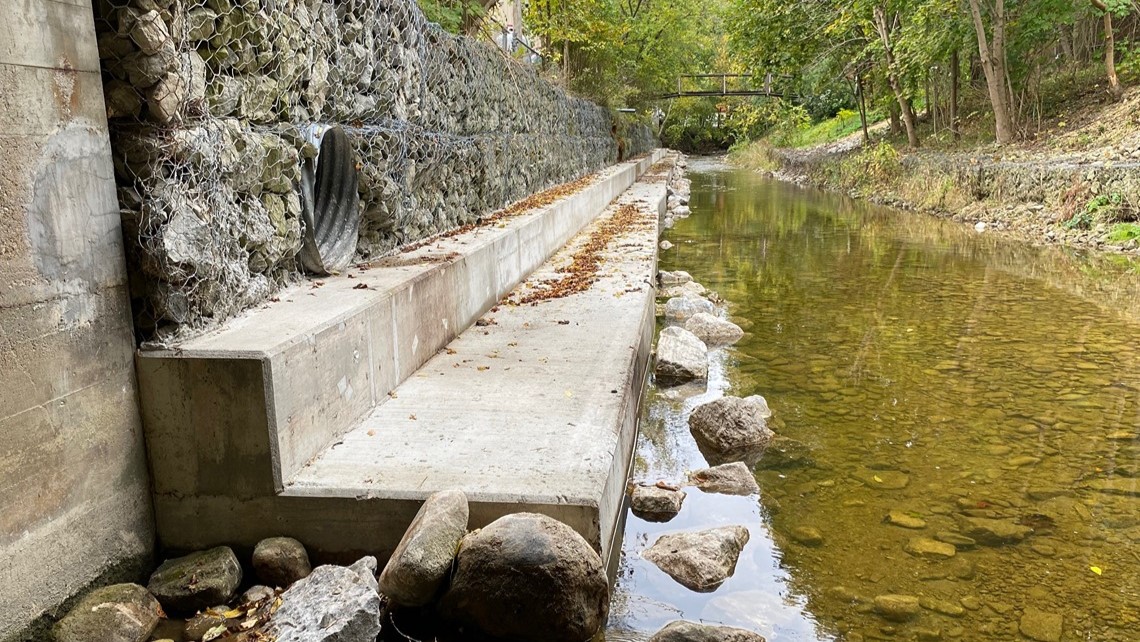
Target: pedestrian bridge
column 706, row 85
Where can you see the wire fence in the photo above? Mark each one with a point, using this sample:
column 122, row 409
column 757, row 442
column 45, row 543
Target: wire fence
column 211, row 103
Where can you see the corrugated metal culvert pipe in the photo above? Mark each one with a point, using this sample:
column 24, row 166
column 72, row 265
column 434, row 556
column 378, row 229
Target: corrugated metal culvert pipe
column 330, row 202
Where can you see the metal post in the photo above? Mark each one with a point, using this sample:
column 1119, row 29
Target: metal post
column 724, row 85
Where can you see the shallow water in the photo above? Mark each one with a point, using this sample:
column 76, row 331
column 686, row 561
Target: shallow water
column 931, row 370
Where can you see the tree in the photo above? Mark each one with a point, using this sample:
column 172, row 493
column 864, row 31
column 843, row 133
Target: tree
column 1121, row 7
column 885, row 28
column 992, row 52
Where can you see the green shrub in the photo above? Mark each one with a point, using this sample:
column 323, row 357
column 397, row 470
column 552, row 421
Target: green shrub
column 1124, row 232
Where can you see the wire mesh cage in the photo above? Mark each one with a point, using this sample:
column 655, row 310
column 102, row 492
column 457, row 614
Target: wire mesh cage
column 209, row 102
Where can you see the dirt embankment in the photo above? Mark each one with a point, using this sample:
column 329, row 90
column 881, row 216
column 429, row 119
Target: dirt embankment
column 1078, row 186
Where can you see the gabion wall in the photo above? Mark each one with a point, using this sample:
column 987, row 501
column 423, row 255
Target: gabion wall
column 210, row 100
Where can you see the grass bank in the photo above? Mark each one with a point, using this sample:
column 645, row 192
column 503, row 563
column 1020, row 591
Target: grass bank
column 1074, row 179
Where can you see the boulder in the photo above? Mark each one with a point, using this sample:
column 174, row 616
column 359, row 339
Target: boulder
column 280, row 561
column 150, row 33
column 897, row 608
column 691, row 289
column 684, row 631
column 806, row 536
column 992, row 532
column 904, row 519
column 196, row 581
column 731, row 424
column 930, row 548
column 529, row 578
column 783, row 453
column 417, row 569
column 726, row 479
column 714, row 330
column 1041, row 625
column 681, row 357
column 699, row 560
column 656, row 504
column 673, row 278
column 331, row 604
column 681, row 308
column 116, row 613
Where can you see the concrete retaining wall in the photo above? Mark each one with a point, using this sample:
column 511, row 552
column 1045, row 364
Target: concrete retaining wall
column 74, row 496
column 210, row 101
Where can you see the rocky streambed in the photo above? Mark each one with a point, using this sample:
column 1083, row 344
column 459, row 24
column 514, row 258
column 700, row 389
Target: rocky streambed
column 951, row 434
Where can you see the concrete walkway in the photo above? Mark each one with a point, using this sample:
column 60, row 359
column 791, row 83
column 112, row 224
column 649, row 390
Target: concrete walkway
column 532, row 409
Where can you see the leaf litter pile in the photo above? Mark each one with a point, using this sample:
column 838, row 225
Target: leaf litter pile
column 534, row 201
column 582, row 272
column 244, row 623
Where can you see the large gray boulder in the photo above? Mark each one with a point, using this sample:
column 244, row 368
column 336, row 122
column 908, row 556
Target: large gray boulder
column 280, row 561
column 673, row 278
column 656, row 504
column 116, row 613
column 685, row 631
column 332, row 604
column 714, row 330
column 692, row 289
column 699, row 560
column 196, row 581
column 727, row 479
column 732, row 424
column 420, row 564
column 529, row 578
column 681, row 308
column 681, row 357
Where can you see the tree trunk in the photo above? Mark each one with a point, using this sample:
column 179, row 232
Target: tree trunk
column 1114, row 88
column 993, row 65
column 862, row 109
column 1066, row 38
column 954, row 96
column 896, row 124
column 893, row 79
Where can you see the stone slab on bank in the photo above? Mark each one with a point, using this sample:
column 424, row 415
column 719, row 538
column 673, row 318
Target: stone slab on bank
column 233, row 417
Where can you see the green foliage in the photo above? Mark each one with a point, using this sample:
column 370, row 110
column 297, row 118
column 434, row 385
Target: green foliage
column 873, row 165
column 1128, row 66
column 626, row 52
column 695, row 125
column 1101, row 207
column 450, row 14
column 1124, row 232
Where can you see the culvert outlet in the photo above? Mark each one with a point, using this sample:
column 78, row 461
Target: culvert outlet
column 330, row 202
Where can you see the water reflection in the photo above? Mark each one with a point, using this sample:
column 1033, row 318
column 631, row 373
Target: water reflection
column 969, row 385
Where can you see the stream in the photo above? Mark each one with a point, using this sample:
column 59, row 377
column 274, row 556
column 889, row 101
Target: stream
column 941, row 376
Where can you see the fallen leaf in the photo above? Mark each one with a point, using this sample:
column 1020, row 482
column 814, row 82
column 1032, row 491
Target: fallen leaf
column 878, row 479
column 360, row 286
column 412, row 417
column 1096, row 569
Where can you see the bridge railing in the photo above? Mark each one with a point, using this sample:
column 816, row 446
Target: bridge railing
column 728, row 85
